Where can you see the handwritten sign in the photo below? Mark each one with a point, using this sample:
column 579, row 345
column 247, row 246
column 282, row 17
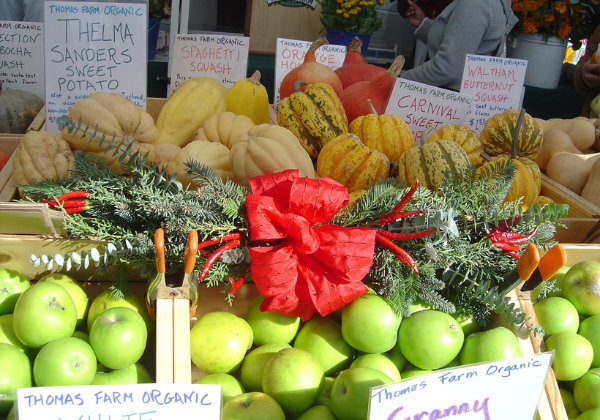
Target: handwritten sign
column 92, row 47
column 506, row 389
column 421, row 106
column 290, row 53
column 22, row 57
column 222, row 57
column 495, row 83
column 130, row 402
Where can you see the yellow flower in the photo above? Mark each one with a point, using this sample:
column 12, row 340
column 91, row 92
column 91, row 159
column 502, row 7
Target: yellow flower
column 339, row 11
column 346, row 15
column 353, row 11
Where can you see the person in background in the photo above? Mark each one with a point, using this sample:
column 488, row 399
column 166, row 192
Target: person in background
column 587, row 73
column 463, row 27
column 22, row 10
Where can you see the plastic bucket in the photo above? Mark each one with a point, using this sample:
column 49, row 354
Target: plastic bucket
column 544, row 58
column 345, row 38
column 153, row 30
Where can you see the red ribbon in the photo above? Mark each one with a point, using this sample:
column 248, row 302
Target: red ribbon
column 305, row 265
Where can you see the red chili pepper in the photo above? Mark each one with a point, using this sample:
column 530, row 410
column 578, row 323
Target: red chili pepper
column 391, row 216
column 388, row 218
column 506, row 247
column 73, row 203
column 235, row 285
column 406, row 236
column 51, row 203
column 524, row 239
column 72, row 194
column 401, row 254
column 215, row 256
column 72, row 210
column 224, row 238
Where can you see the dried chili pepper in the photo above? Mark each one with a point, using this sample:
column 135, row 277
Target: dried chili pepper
column 72, row 194
column 406, row 236
column 215, row 256
column 224, row 238
column 396, row 211
column 401, row 254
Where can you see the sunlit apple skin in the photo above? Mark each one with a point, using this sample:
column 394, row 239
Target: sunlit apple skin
column 324, row 397
column 581, row 285
column 15, row 372
column 350, row 393
column 573, row 355
column 556, row 314
column 414, row 372
column 379, row 362
column 12, row 283
column 587, row 390
column 590, row 329
column 498, row 343
column 294, row 378
column 75, row 290
column 253, row 365
column 317, row 412
column 252, row 406
column 107, row 300
column 131, row 375
column 322, row 337
column 7, row 334
column 269, row 327
column 65, row 362
column 558, row 277
column 230, row 385
column 430, row 339
column 370, row 324
column 593, row 414
column 44, row 312
column 570, row 405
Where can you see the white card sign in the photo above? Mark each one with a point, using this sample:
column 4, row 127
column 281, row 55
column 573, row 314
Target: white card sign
column 131, row 402
column 421, row 105
column 222, row 57
column 22, row 57
column 92, row 47
column 495, row 83
column 289, row 54
column 506, row 389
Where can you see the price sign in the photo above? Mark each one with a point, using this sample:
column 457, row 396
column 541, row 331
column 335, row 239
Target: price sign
column 506, row 389
column 92, row 47
column 22, row 57
column 421, row 106
column 495, row 83
column 129, row 402
column 290, row 53
column 222, row 57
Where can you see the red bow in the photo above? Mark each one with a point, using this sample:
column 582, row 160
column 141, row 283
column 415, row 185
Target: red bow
column 309, row 268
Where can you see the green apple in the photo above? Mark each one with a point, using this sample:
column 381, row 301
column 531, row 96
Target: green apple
column 81, row 335
column 498, row 343
column 322, row 337
column 573, row 355
column 79, row 296
column 12, row 283
column 430, row 339
column 556, row 279
column 581, row 285
column 468, row 324
column 414, row 372
column 106, row 300
column 131, row 375
column 324, row 397
column 254, row 363
column 370, row 324
column 11, row 413
column 378, row 362
column 569, row 402
column 590, row 329
column 230, row 385
column 219, row 341
column 252, row 406
column 317, row 412
column 593, row 414
column 65, row 362
column 396, row 356
column 15, row 373
column 556, row 314
column 294, row 378
column 269, row 327
column 44, row 312
column 8, row 336
column 587, row 390
column 418, row 305
column 119, row 328
column 351, row 392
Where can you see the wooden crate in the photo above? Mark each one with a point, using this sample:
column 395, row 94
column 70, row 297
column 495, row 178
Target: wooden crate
column 578, row 206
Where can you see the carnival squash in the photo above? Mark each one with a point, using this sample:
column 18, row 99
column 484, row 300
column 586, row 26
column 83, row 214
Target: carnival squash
column 18, row 108
column 591, row 190
column 580, row 130
column 165, row 154
column 265, row 149
column 315, row 116
column 188, row 108
column 555, row 142
column 497, row 134
column 249, row 97
column 571, row 170
column 432, row 162
column 212, row 155
column 465, row 138
column 348, row 161
column 224, row 127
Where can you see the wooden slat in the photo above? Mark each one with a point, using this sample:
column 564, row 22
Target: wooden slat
column 578, row 206
column 576, row 230
column 164, row 341
column 182, row 372
column 30, row 219
column 39, row 122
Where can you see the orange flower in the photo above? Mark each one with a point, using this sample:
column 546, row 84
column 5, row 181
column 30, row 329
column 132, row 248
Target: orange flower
column 560, row 7
column 564, row 30
column 529, row 26
column 548, row 18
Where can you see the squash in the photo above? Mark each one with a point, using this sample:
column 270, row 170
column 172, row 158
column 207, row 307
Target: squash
column 464, row 136
column 571, row 170
column 580, row 130
column 315, row 116
column 432, row 162
column 348, row 161
column 596, row 144
column 310, row 72
column 224, row 127
column 354, row 68
column 213, row 155
column 265, row 149
column 555, row 142
column 248, row 97
column 188, row 108
column 18, row 108
column 542, row 200
column 42, row 156
column 164, row 154
column 591, row 190
column 496, row 136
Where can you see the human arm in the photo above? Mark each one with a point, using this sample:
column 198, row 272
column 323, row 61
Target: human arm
column 414, row 14
column 587, row 74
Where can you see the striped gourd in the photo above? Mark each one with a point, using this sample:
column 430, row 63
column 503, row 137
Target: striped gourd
column 462, row 135
column 315, row 116
column 496, row 136
column 432, row 162
column 348, row 161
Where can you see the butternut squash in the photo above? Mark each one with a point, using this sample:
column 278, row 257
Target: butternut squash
column 581, row 131
column 597, row 130
column 571, row 170
column 555, row 142
column 591, row 190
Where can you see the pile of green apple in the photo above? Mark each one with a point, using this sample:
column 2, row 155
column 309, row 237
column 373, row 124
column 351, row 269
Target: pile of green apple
column 274, row 367
column 53, row 334
column 570, row 317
